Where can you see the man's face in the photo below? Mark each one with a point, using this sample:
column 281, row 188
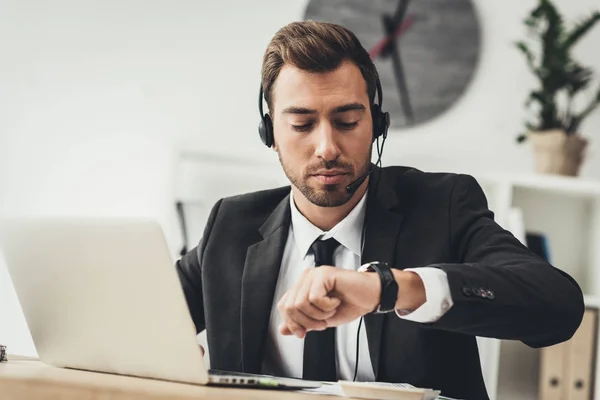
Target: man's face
column 323, row 130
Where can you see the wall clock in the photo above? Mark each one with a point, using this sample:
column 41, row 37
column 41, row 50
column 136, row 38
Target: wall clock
column 426, row 51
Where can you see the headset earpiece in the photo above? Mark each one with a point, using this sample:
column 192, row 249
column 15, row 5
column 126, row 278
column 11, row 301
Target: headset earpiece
column 381, row 120
column 385, row 124
column 375, row 111
column 265, row 130
column 265, row 127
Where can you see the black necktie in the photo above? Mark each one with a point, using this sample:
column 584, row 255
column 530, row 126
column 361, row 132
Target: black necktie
column 319, row 346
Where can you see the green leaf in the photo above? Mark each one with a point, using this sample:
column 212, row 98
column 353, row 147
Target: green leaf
column 573, row 125
column 577, row 78
column 533, row 20
column 528, row 54
column 580, row 29
column 544, row 12
column 537, row 95
column 591, row 107
column 578, row 119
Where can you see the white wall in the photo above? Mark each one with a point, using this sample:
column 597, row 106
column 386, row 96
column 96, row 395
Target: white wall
column 96, row 98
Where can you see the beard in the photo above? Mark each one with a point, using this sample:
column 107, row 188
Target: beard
column 333, row 195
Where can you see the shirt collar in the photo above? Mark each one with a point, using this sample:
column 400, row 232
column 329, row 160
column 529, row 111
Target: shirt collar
column 348, row 232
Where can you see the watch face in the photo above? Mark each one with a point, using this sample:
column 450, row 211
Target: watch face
column 425, row 51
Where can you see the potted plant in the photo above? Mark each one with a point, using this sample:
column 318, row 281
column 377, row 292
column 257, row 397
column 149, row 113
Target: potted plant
column 555, row 135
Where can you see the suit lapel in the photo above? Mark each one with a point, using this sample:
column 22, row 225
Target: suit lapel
column 261, row 270
column 381, row 235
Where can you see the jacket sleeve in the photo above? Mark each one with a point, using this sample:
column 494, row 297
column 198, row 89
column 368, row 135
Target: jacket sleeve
column 500, row 289
column 189, row 269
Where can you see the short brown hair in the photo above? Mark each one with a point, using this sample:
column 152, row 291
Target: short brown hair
column 315, row 47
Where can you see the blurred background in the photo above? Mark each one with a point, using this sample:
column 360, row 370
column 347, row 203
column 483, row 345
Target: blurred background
column 149, row 109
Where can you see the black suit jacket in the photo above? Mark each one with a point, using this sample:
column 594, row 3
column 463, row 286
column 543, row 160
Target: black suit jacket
column 413, row 219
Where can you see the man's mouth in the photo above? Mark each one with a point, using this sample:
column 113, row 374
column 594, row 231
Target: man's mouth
column 330, row 176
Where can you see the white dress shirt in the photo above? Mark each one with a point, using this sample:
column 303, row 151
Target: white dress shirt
column 284, row 354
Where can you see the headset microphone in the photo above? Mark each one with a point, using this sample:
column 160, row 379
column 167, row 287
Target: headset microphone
column 352, row 187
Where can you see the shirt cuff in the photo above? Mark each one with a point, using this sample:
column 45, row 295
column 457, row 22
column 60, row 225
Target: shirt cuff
column 438, row 299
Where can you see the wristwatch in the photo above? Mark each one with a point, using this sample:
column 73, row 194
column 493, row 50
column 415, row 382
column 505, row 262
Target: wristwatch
column 389, row 287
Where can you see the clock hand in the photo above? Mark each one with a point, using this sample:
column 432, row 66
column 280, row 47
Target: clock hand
column 384, row 41
column 399, row 73
column 393, row 27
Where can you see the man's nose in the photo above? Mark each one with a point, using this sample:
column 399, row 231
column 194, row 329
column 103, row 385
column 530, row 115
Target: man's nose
column 326, row 147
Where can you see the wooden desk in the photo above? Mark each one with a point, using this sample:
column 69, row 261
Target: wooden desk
column 34, row 380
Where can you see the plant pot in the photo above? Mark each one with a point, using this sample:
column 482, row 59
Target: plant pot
column 558, row 153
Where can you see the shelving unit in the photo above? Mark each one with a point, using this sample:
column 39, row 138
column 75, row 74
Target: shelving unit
column 567, row 211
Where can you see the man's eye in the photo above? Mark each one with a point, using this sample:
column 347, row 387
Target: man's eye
column 302, row 128
column 347, row 125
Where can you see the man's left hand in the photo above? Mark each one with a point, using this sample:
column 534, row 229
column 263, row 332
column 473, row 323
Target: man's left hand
column 326, row 297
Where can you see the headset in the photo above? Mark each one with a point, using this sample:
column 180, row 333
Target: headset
column 381, row 119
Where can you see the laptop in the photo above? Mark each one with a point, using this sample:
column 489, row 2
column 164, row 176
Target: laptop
column 103, row 295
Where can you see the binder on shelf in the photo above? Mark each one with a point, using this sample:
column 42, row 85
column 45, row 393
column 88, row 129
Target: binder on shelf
column 538, row 244
column 552, row 365
column 580, row 370
column 567, row 370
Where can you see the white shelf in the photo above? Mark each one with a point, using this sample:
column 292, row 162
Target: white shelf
column 567, row 210
column 570, row 186
column 592, row 301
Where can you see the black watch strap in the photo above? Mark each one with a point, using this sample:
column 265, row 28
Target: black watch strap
column 389, row 287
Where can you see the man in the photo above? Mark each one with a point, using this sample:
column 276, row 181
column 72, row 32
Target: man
column 447, row 272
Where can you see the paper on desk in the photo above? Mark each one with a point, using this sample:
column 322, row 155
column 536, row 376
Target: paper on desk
column 332, row 389
column 335, row 389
